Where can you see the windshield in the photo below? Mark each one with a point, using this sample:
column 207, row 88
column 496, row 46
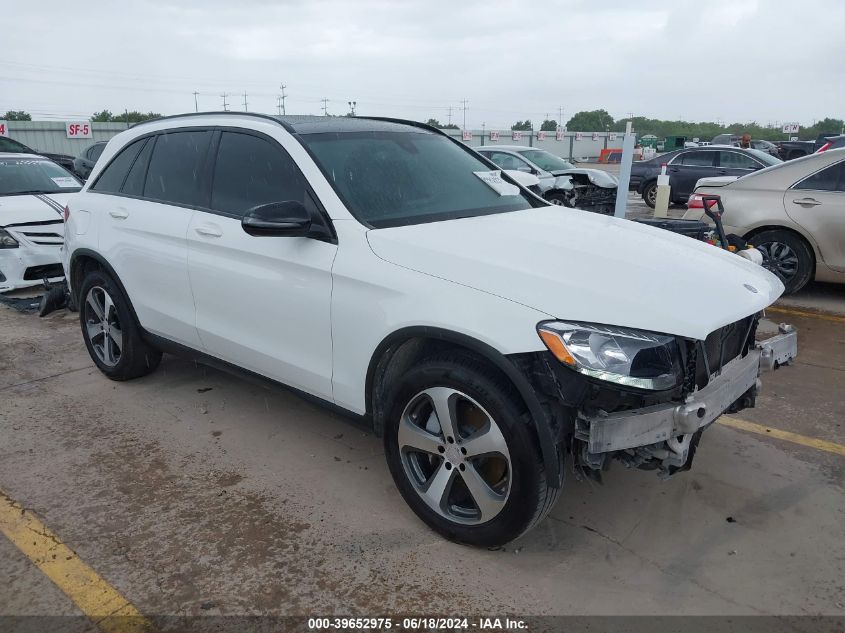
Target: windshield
column 546, row 161
column 764, row 157
column 398, row 178
column 34, row 175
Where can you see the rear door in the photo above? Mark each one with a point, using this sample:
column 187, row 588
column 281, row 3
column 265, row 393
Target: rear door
column 152, row 188
column 686, row 168
column 817, row 203
column 262, row 303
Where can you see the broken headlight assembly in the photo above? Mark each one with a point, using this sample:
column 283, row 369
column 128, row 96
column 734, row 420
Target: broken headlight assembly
column 634, row 358
column 6, row 240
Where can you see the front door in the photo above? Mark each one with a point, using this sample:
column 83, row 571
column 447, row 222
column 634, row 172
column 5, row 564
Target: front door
column 817, row 203
column 262, row 303
column 686, row 168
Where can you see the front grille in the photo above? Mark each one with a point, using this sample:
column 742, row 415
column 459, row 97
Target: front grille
column 47, row 271
column 721, row 347
column 44, row 239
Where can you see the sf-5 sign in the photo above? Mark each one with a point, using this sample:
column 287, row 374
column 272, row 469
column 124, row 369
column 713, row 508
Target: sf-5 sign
column 78, row 130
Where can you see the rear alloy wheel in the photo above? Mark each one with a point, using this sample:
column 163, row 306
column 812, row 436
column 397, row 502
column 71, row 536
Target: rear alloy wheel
column 110, row 332
column 786, row 255
column 557, row 199
column 650, row 194
column 462, row 452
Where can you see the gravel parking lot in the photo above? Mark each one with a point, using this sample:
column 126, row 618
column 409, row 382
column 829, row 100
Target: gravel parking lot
column 196, row 492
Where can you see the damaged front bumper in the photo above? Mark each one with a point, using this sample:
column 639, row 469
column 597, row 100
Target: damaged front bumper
column 665, row 435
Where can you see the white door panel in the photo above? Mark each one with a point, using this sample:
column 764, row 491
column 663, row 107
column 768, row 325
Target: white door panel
column 263, row 303
column 145, row 243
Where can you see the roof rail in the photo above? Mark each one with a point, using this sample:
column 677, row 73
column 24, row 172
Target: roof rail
column 226, row 112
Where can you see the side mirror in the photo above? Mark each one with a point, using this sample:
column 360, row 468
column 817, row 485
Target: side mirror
column 289, row 218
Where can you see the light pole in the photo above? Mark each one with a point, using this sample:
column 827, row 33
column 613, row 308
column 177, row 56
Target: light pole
column 352, row 105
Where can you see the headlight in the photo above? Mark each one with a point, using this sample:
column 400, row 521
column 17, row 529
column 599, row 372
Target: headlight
column 622, row 355
column 6, row 240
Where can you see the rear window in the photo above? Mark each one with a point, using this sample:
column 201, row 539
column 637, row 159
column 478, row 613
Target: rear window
column 34, row 175
column 398, row 178
column 111, row 178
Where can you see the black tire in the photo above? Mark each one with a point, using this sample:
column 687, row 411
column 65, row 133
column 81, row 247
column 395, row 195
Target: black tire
column 136, row 357
column 529, row 498
column 780, row 248
column 559, row 199
column 650, row 194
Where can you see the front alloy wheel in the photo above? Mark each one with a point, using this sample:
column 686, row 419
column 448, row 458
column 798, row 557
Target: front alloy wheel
column 103, row 326
column 455, row 455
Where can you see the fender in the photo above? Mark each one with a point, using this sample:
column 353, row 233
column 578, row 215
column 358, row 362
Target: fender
column 540, row 418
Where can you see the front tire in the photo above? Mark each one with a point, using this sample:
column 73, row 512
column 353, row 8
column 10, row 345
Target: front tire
column 462, row 453
column 786, row 255
column 558, row 199
column 111, row 334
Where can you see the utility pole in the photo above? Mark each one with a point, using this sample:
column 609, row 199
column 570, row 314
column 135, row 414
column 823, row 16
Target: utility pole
column 225, row 105
column 352, row 105
column 325, row 107
column 450, row 115
column 284, row 96
column 464, row 104
column 279, row 103
column 245, row 103
column 196, row 106
column 560, row 118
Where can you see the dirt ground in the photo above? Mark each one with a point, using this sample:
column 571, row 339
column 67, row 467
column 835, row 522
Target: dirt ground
column 197, row 492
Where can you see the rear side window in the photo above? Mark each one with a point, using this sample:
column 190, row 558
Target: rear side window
column 175, row 168
column 830, row 179
column 111, row 178
column 696, row 159
column 95, row 151
column 252, row 171
column 134, row 185
column 735, row 160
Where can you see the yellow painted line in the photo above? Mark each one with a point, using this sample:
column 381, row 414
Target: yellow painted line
column 96, row 598
column 807, row 313
column 795, row 438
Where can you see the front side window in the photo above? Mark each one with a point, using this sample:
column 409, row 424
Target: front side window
column 34, row 175
column 111, row 178
column 175, row 168
column 409, row 177
column 735, row 160
column 829, row 179
column 547, row 161
column 251, row 171
column 134, row 184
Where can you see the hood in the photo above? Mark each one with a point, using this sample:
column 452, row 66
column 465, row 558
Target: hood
column 598, row 177
column 583, row 266
column 715, row 181
column 32, row 208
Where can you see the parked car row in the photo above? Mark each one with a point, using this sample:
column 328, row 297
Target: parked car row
column 11, row 146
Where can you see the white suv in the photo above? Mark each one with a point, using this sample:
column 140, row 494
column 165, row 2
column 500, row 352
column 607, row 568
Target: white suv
column 390, row 271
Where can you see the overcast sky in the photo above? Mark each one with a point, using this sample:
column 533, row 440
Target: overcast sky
column 729, row 60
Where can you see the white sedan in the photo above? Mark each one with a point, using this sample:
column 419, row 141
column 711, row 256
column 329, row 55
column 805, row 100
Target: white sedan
column 33, row 194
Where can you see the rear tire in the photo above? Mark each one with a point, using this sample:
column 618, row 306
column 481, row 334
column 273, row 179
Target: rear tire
column 786, row 255
column 111, row 334
column 485, row 458
column 650, row 194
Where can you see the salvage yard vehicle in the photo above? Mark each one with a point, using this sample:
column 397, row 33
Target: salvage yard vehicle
column 385, row 269
column 793, row 213
column 686, row 167
column 84, row 163
column 561, row 182
column 11, row 146
column 33, row 192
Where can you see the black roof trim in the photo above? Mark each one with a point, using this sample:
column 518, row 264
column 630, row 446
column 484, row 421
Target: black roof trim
column 267, row 117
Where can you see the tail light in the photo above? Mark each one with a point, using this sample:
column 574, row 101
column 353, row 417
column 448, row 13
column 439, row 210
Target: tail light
column 696, row 201
column 67, row 212
column 823, row 148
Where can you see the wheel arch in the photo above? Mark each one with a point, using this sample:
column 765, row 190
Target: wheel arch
column 789, row 229
column 84, row 260
column 401, row 349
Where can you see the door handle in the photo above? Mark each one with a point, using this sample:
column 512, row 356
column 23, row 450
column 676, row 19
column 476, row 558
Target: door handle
column 209, row 231
column 119, row 214
column 807, row 202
